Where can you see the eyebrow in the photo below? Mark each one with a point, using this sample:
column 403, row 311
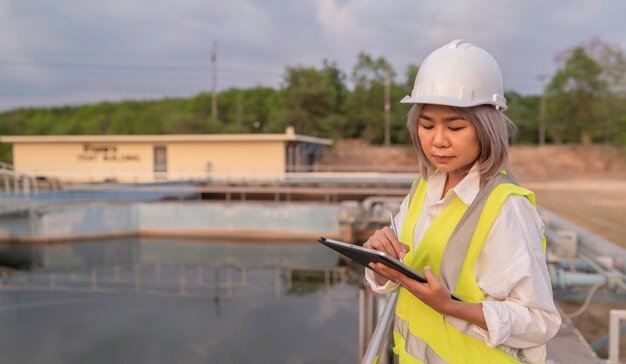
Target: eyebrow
column 446, row 119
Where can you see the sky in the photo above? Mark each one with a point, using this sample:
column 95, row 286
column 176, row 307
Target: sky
column 69, row 52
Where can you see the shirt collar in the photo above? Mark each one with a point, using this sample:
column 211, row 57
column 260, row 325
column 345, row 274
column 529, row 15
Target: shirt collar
column 466, row 190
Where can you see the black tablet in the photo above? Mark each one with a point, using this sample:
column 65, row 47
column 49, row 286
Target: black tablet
column 365, row 256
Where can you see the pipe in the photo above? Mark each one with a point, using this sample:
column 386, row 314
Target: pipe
column 614, row 277
column 562, row 279
column 575, row 265
column 597, row 245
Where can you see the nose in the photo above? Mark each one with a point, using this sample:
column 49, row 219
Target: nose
column 440, row 139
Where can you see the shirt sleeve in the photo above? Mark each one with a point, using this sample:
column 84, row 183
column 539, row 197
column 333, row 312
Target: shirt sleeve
column 512, row 272
column 388, row 287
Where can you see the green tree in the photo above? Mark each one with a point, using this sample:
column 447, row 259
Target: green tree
column 524, row 112
column 573, row 100
column 411, row 73
column 399, row 112
column 312, row 101
column 365, row 104
column 246, row 110
column 613, row 62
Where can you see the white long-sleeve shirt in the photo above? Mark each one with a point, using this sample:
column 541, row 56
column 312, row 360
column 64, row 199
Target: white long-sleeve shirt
column 511, row 269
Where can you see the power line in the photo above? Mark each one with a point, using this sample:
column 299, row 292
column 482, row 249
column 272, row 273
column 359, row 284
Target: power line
column 134, row 67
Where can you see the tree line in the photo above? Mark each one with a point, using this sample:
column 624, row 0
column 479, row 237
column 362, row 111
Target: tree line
column 583, row 102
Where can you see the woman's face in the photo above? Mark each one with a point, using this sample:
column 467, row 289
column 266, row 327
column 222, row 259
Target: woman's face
column 449, row 140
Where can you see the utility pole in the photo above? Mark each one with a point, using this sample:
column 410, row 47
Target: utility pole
column 542, row 110
column 239, row 109
column 387, row 109
column 214, row 81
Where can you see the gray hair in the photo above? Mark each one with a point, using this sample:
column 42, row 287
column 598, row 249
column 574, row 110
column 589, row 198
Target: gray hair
column 492, row 128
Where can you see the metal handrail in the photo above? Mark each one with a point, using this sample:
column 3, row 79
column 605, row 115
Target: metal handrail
column 250, row 175
column 381, row 333
column 614, row 334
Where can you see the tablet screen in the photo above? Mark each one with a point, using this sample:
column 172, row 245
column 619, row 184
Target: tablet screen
column 365, row 256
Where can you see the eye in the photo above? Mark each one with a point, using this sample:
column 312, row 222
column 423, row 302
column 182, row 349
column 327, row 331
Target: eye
column 456, row 128
column 424, row 126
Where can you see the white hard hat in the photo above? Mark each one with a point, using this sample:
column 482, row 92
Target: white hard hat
column 459, row 74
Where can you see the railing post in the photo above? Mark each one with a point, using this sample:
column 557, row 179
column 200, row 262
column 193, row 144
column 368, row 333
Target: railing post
column 615, row 317
column 35, row 185
column 361, row 323
column 370, row 315
column 380, row 336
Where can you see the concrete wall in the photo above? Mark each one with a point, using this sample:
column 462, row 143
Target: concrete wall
column 236, row 219
column 89, row 219
column 291, row 217
column 16, row 225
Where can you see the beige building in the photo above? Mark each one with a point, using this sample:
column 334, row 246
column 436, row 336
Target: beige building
column 147, row 158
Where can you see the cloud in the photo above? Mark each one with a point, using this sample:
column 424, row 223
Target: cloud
column 16, row 33
column 257, row 39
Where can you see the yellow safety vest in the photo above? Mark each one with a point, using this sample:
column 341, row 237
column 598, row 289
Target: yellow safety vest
column 421, row 334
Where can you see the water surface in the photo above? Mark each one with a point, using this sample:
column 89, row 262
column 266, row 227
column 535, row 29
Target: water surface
column 168, row 301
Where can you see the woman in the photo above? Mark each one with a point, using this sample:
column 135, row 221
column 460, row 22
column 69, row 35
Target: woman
column 467, row 226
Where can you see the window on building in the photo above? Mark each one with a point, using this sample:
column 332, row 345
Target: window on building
column 160, row 159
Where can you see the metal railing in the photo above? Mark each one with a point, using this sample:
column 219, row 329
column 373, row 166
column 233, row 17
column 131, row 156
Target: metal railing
column 614, row 334
column 250, row 175
column 5, row 166
column 327, row 186
column 23, row 184
column 376, row 167
column 380, row 337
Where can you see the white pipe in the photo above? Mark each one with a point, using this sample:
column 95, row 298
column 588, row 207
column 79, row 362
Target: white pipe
column 590, row 242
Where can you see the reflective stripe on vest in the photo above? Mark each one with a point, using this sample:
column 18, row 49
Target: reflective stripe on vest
column 450, row 246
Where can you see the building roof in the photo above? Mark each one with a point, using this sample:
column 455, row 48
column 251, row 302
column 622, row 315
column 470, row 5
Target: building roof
column 288, row 136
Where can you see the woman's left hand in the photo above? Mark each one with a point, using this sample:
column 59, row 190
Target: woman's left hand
column 435, row 295
column 432, row 293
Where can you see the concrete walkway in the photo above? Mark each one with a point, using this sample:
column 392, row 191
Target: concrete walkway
column 569, row 347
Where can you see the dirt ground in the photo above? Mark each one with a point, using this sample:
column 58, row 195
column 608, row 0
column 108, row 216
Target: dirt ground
column 599, row 208
column 585, row 185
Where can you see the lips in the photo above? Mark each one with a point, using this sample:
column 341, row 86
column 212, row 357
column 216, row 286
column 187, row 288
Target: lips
column 442, row 158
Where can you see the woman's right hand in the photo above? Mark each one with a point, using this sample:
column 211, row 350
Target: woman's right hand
column 385, row 240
